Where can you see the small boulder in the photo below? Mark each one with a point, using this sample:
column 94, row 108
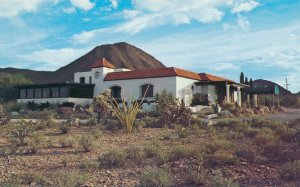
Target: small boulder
column 212, row 116
column 226, row 114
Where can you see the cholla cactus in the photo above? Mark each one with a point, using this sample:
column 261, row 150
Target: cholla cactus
column 3, row 118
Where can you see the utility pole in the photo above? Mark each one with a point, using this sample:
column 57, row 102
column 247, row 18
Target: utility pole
column 287, row 84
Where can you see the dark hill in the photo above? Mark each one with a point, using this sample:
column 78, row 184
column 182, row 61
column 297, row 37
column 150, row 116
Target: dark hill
column 262, row 83
column 121, row 55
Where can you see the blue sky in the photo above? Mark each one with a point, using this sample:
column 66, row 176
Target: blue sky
column 223, row 37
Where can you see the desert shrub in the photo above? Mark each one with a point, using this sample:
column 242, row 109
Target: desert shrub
column 290, row 170
column 90, row 122
column 251, row 132
column 139, row 124
column 228, row 123
column 38, row 138
column 263, row 123
column 113, row 158
column 64, row 127
column 96, row 133
column 183, row 133
column 87, row 143
column 88, row 165
column 178, row 152
column 69, row 179
column 154, row 177
column 152, row 122
column 113, row 125
column 219, row 181
column 100, row 104
column 156, row 151
column 287, row 134
column 246, row 152
column 196, row 177
column 170, row 110
column 265, row 136
column 216, row 145
column 67, row 142
column 3, row 117
column 220, row 157
column 34, row 177
column 271, row 149
column 22, row 129
column 135, row 153
column 15, row 107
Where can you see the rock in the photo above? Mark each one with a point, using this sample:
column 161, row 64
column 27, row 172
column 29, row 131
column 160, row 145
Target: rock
column 212, row 116
column 259, row 111
column 14, row 113
column 282, row 109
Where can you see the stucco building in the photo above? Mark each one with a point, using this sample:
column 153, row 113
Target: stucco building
column 132, row 84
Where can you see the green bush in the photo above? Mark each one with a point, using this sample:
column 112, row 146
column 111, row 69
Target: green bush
column 88, row 165
column 219, row 181
column 38, row 138
column 152, row 122
column 246, row 152
column 155, row 177
column 64, row 127
column 113, row 159
column 290, row 170
column 135, row 153
column 22, row 129
column 3, row 118
column 34, row 177
column 178, row 152
column 87, row 143
column 265, row 136
column 69, row 179
column 221, row 157
column 67, row 142
column 216, row 145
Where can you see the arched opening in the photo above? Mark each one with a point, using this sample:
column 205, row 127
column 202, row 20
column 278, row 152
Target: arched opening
column 116, row 91
column 147, row 90
column 82, row 80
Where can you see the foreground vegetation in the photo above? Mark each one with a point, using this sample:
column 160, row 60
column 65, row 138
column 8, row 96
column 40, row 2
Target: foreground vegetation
column 167, row 147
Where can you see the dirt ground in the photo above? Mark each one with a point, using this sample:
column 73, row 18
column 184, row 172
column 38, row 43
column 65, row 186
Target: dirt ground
column 52, row 158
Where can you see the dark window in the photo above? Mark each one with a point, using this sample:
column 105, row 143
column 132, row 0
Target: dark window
column 55, row 92
column 64, row 92
column 30, row 93
column 147, row 90
column 38, row 93
column 22, row 93
column 116, row 91
column 90, row 80
column 46, row 92
column 82, row 80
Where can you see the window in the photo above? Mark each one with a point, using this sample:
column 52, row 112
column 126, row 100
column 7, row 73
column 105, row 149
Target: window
column 147, row 90
column 116, row 91
column 23, row 94
column 30, row 93
column 55, row 92
column 82, row 80
column 38, row 93
column 64, row 92
column 46, row 92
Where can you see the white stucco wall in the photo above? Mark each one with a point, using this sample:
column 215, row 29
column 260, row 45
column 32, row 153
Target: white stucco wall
column 184, row 89
column 132, row 87
column 80, row 101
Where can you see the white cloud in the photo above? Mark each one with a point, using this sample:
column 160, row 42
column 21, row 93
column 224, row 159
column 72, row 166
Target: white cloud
column 83, row 4
column 245, row 6
column 70, row 10
column 12, row 8
column 149, row 13
column 243, row 22
column 225, row 66
column 114, row 3
column 53, row 58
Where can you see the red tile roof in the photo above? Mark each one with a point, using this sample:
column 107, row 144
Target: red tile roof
column 152, row 73
column 102, row 63
column 164, row 72
column 213, row 78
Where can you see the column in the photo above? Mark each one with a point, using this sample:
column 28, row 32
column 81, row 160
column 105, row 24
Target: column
column 239, row 96
column 255, row 100
column 227, row 93
column 248, row 99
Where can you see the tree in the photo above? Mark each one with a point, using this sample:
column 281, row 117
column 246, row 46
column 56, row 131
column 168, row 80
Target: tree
column 3, row 118
column 246, row 81
column 242, row 78
column 100, row 104
column 251, row 82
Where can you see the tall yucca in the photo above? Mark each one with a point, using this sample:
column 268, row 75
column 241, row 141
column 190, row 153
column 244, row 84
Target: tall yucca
column 127, row 112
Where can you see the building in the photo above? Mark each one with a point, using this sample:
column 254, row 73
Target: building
column 131, row 84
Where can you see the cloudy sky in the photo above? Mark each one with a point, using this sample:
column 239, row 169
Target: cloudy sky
column 223, row 37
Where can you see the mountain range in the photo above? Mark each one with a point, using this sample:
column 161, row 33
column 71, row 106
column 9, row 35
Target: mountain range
column 121, row 55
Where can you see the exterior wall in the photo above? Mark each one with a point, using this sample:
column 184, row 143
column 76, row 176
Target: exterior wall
column 86, row 75
column 210, row 90
column 132, row 87
column 184, row 89
column 81, row 101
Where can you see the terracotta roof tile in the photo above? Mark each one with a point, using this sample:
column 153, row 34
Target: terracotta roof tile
column 102, row 63
column 213, row 78
column 152, row 73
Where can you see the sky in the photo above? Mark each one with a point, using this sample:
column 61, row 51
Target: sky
column 222, row 37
